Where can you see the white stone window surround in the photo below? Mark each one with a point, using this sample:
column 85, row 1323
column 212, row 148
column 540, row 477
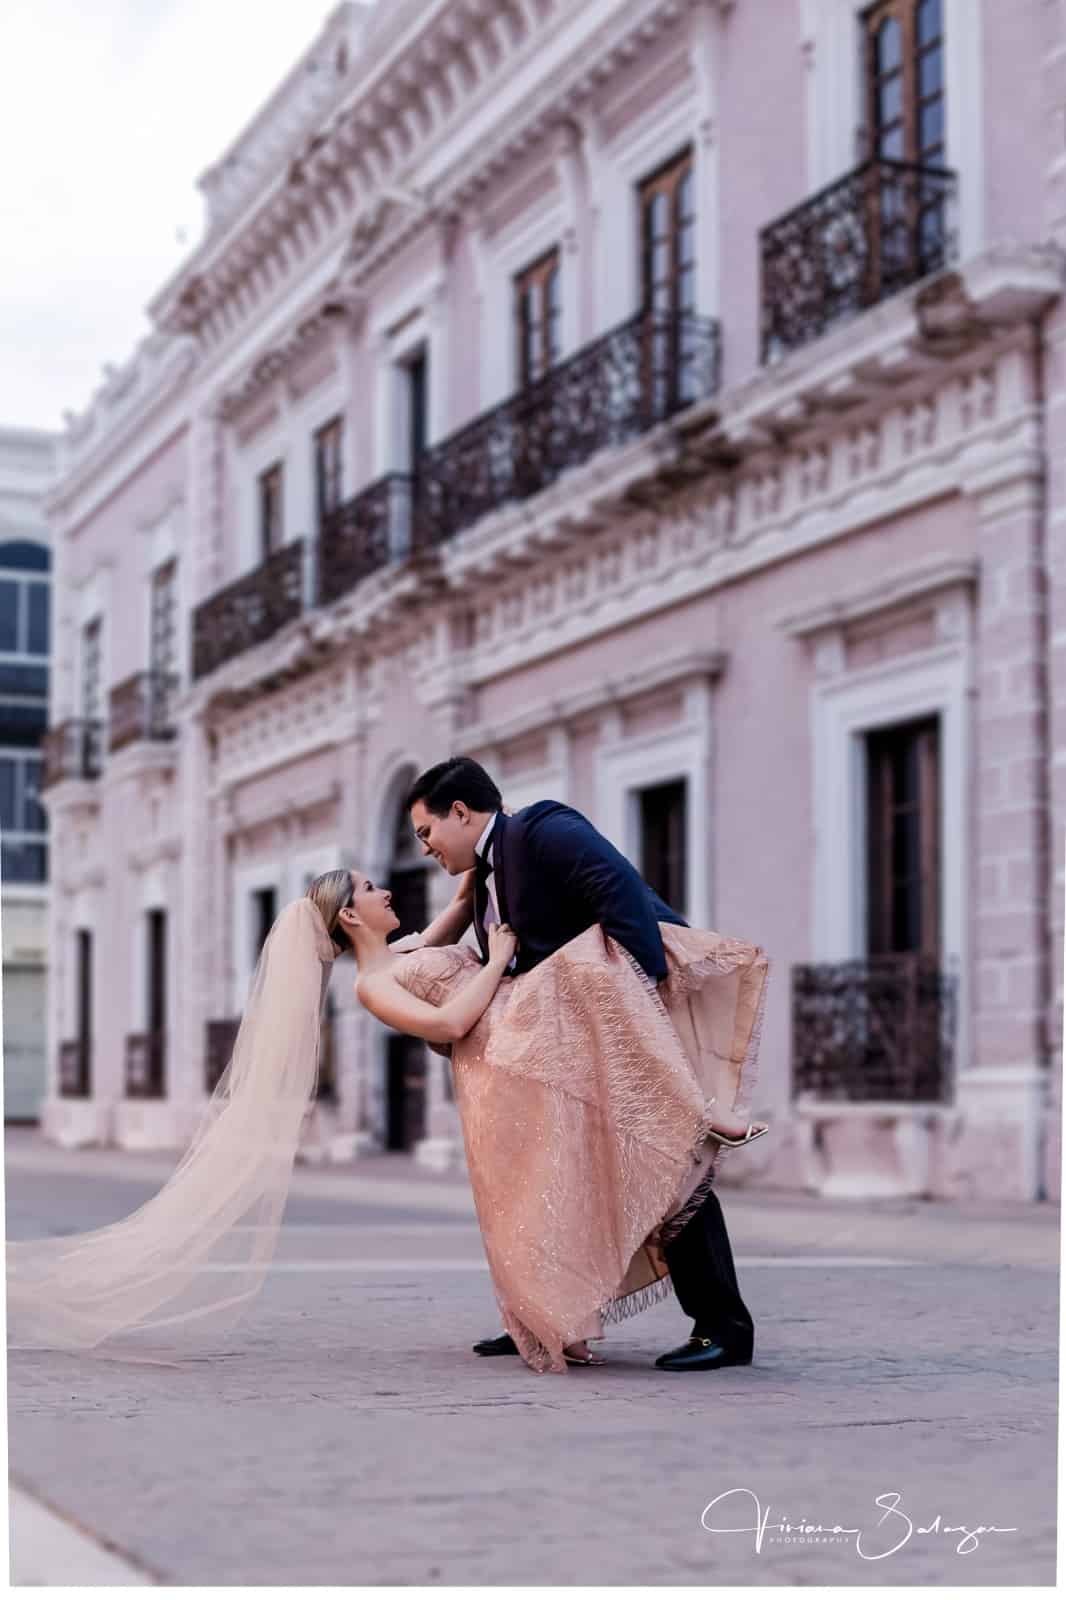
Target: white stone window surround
column 247, row 881
column 501, row 257
column 626, row 765
column 157, row 891
column 617, row 169
column 549, row 781
column 316, row 411
column 397, row 332
column 266, row 448
column 162, row 539
column 93, row 600
column 832, row 42
column 85, row 917
column 844, row 708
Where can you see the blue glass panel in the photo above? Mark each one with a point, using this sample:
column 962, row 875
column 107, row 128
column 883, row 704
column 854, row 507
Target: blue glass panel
column 8, row 792
column 930, row 23
column 887, row 47
column 23, row 862
column 39, row 607
column 9, row 615
column 25, row 556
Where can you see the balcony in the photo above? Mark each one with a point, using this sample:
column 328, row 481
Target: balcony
column 363, row 535
column 866, row 236
column 613, row 389
column 621, row 385
column 74, row 1069
column 249, row 611
column 71, row 750
column 146, row 1065
column 141, row 709
column 881, row 1029
column 221, row 1037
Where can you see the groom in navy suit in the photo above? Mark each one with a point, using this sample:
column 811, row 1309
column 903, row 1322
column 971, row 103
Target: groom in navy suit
column 550, row 874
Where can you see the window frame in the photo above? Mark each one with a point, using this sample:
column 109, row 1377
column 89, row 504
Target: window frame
column 536, row 280
column 667, row 180
column 271, row 482
column 331, row 434
column 20, row 834
column 905, row 14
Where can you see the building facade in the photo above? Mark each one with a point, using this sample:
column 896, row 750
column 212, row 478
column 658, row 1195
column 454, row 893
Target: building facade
column 664, row 410
column 27, row 468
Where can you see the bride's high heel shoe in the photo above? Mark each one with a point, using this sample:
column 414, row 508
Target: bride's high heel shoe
column 754, row 1130
column 591, row 1359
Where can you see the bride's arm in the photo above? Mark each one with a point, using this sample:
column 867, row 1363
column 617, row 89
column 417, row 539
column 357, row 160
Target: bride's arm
column 394, row 1005
column 451, row 924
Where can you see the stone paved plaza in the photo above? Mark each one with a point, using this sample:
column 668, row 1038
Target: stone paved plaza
column 905, row 1351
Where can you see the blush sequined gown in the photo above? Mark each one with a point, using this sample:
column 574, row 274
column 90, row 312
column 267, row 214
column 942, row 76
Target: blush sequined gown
column 585, row 1092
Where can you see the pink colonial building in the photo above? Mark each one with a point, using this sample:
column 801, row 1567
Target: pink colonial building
column 664, row 401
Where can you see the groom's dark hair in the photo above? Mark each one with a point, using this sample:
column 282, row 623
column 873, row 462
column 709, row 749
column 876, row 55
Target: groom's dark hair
column 458, row 778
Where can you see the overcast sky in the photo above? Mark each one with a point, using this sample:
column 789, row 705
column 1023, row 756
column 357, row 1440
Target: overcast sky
column 109, row 111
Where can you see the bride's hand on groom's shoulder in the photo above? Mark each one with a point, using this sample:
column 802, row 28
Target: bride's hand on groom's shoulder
column 503, row 942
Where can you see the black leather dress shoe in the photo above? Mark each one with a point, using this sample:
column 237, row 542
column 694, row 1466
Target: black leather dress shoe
column 699, row 1355
column 504, row 1345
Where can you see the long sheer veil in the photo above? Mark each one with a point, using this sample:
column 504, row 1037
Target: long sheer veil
column 179, row 1271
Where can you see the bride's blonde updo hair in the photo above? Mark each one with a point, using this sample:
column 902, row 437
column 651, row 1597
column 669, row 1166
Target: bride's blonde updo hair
column 330, row 893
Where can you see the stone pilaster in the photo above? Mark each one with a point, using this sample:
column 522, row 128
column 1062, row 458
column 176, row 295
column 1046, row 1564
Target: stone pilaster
column 1002, row 1088
column 1054, row 101
column 200, row 936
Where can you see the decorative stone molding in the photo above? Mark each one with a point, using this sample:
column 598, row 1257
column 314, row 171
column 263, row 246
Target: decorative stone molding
column 603, row 692
column 293, row 806
column 402, row 113
column 925, row 579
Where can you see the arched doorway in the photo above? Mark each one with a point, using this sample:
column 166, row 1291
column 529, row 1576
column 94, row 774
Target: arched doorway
column 405, row 1058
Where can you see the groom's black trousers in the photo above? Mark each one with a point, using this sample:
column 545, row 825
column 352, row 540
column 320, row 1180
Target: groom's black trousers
column 705, row 1280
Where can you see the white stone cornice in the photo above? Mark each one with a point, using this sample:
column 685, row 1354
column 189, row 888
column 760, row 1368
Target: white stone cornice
column 469, row 157
column 897, row 589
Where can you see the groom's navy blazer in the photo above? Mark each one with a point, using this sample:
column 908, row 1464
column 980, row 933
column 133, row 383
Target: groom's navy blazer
column 556, row 875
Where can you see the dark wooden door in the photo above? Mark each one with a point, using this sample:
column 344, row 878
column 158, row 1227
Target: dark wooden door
column 903, row 831
column 663, row 823
column 157, row 1000
column 84, row 957
column 406, row 1092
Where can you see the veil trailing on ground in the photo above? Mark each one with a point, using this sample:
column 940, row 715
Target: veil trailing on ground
column 180, row 1270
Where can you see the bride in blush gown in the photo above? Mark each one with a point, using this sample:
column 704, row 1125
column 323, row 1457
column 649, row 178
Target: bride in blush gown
column 591, row 1099
column 588, row 1096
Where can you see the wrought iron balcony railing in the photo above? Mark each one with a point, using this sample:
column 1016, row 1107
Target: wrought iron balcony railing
column 363, row 535
column 146, row 1065
column 71, row 750
column 141, row 709
column 250, row 610
column 881, row 1029
column 74, row 1069
column 862, row 238
column 221, row 1037
column 610, row 391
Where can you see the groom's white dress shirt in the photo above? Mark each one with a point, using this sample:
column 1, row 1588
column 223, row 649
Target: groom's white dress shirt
column 492, row 907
